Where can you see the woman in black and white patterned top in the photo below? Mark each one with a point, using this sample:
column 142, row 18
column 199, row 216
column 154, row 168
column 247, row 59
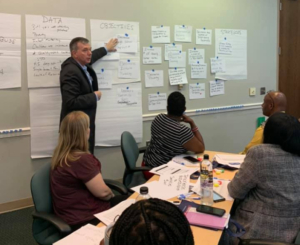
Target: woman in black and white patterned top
column 169, row 137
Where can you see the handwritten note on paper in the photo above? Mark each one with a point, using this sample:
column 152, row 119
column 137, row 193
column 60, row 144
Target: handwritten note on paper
column 157, row 101
column 199, row 71
column 172, row 48
column 217, row 87
column 197, row 91
column 176, row 182
column 47, row 42
column 231, row 46
column 105, row 79
column 152, row 55
column 127, row 96
column 88, row 235
column 217, row 65
column 177, row 76
column 196, row 56
column 10, row 51
column 203, row 36
column 177, row 59
column 127, row 43
column 129, row 69
column 160, row 34
column 154, row 78
column 183, row 33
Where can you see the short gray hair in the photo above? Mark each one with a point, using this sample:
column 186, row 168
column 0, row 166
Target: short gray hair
column 73, row 43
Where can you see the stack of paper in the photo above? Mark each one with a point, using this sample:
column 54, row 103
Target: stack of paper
column 232, row 161
column 87, row 235
column 173, row 168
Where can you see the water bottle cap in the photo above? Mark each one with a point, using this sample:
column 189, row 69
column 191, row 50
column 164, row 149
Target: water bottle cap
column 144, row 190
column 206, row 157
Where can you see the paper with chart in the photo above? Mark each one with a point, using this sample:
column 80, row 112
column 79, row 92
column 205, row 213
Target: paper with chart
column 10, row 51
column 172, row 168
column 199, row 71
column 128, row 48
column 120, row 110
column 203, row 36
column 183, row 33
column 154, row 78
column 217, row 65
column 105, row 78
column 45, row 105
column 197, row 91
column 127, row 43
column 216, row 87
column 172, row 48
column 157, row 101
column 152, row 55
column 160, row 34
column 47, row 44
column 177, row 76
column 196, row 56
column 231, row 45
column 230, row 160
column 129, row 69
column 87, row 235
column 177, row 59
column 177, row 183
column 108, row 216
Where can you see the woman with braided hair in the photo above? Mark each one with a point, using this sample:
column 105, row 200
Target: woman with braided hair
column 151, row 222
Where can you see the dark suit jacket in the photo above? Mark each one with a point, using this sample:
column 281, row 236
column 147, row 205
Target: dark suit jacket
column 269, row 184
column 76, row 91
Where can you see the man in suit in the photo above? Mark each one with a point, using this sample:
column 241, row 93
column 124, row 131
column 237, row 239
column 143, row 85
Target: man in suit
column 273, row 102
column 78, row 81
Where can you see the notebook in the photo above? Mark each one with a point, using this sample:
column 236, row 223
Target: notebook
column 206, row 220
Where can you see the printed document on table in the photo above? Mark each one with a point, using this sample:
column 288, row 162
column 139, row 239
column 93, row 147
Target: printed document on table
column 233, row 161
column 87, row 235
column 109, row 215
column 172, row 168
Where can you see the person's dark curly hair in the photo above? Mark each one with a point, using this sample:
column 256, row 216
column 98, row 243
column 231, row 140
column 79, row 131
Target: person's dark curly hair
column 176, row 104
column 152, row 222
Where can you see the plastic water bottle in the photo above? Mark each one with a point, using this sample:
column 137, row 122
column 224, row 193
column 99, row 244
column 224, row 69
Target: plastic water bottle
column 206, row 181
column 143, row 194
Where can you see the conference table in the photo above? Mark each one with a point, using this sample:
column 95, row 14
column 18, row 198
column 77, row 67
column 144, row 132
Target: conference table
column 202, row 235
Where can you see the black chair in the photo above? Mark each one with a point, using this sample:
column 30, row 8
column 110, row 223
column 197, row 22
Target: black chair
column 47, row 228
column 133, row 175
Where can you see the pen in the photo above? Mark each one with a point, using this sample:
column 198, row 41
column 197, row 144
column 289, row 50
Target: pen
column 161, row 168
column 176, row 171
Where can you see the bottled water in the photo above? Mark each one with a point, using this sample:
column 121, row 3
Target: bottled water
column 206, row 178
column 143, row 194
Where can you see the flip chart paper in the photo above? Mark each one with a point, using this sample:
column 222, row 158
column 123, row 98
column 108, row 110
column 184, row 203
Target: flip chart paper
column 217, row 87
column 196, row 56
column 177, row 76
column 47, row 43
column 154, row 78
column 231, row 46
column 114, row 117
column 157, row 101
column 203, row 36
column 152, row 55
column 217, row 65
column 172, row 48
column 183, row 33
column 160, row 34
column 10, row 51
column 177, row 59
column 199, row 71
column 197, row 91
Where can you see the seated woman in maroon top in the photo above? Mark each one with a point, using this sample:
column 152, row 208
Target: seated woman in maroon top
column 77, row 187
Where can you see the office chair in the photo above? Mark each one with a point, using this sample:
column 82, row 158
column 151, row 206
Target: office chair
column 133, row 176
column 47, row 228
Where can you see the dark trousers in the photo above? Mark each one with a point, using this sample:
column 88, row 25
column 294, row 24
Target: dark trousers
column 113, row 202
column 92, row 140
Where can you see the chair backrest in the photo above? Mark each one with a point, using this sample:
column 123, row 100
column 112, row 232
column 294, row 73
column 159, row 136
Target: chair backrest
column 130, row 153
column 130, row 150
column 40, row 189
